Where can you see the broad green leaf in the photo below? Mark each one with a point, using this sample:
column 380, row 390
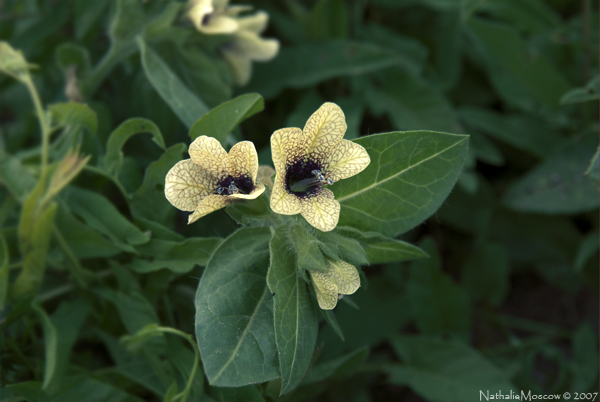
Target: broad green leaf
column 584, row 365
column 70, row 54
column 34, row 253
column 149, row 200
column 519, row 77
column 127, row 21
column 3, row 271
column 381, row 249
column 445, row 34
column 485, row 150
column 87, row 14
column 50, row 343
column 309, row 255
column 74, row 114
column 410, row 175
column 557, row 185
column 445, row 371
column 519, row 130
column 186, row 105
column 486, row 272
column 586, row 94
column 328, row 19
column 439, row 305
column 593, row 169
column 587, row 248
column 15, row 176
column 295, row 314
column 25, row 390
column 114, row 156
column 100, row 214
column 221, row 121
column 337, row 368
column 305, row 65
column 234, row 313
column 411, row 103
column 12, row 62
column 176, row 256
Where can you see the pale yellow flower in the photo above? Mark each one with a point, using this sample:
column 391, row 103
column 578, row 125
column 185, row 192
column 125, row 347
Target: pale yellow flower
column 212, row 178
column 214, row 17
column 330, row 286
column 247, row 46
column 306, row 160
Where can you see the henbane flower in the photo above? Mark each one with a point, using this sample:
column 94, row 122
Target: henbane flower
column 214, row 17
column 212, row 178
column 307, row 160
column 330, row 286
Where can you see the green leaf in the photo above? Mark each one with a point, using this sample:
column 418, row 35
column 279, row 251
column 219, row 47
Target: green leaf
column 295, row 314
column 586, row 94
column 518, row 76
column 149, row 200
column 74, row 114
column 221, row 121
column 249, row 393
column 439, row 305
column 309, row 255
column 410, row 175
column 15, row 176
column 3, row 271
column 486, row 272
column 84, row 388
column 186, row 105
column 12, row 62
column 593, row 169
column 176, row 256
column 381, row 249
column 445, row 371
column 127, row 21
column 587, row 248
column 114, row 156
column 350, row 249
column 50, row 343
column 584, row 365
column 234, row 317
column 337, row 368
column 328, row 19
column 305, row 65
column 100, row 214
column 70, row 54
column 557, row 185
column 411, row 103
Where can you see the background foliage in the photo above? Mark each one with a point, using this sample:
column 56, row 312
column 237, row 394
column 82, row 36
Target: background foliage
column 96, row 275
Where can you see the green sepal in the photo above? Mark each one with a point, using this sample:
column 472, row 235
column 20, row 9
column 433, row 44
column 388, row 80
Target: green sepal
column 307, row 248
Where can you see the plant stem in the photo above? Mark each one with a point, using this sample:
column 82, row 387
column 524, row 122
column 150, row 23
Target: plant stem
column 77, row 270
column 44, row 124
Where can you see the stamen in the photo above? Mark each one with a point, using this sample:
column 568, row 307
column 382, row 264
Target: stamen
column 220, row 190
column 233, row 189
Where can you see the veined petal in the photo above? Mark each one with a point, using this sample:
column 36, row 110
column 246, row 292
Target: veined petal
column 345, row 160
column 326, row 290
column 258, row 190
column 240, row 64
column 264, row 175
column 255, row 47
column 324, row 130
column 344, row 275
column 218, row 24
column 208, row 153
column 284, row 147
column 283, row 202
column 320, row 209
column 208, row 204
column 256, row 22
column 187, row 184
column 242, row 160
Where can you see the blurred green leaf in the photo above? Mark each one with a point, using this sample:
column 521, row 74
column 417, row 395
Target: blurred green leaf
column 74, row 114
column 220, row 121
column 100, row 214
column 3, row 271
column 186, row 105
column 337, row 368
column 114, row 156
column 71, row 54
column 248, row 393
column 294, row 313
column 15, row 176
column 50, row 343
column 127, row 21
column 12, row 62
column 234, row 313
column 411, row 103
column 328, row 19
column 178, row 257
column 521, row 78
column 557, row 185
column 587, row 248
column 588, row 93
column 486, row 273
column 409, row 177
column 445, row 371
column 593, row 169
column 305, row 65
column 533, row 16
column 439, row 305
column 584, row 365
column 381, row 249
column 88, row 13
column 84, row 388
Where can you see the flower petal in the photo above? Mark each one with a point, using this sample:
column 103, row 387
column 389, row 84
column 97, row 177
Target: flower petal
column 326, row 290
column 218, row 24
column 187, row 184
column 256, row 48
column 345, row 160
column 208, row 153
column 264, row 175
column 242, row 160
column 239, row 63
column 198, row 9
column 208, row 204
column 344, row 275
column 283, row 202
column 256, row 22
column 258, row 190
column 286, row 147
column 324, row 130
column 320, row 209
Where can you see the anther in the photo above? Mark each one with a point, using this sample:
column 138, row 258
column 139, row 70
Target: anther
column 233, row 189
column 220, row 190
